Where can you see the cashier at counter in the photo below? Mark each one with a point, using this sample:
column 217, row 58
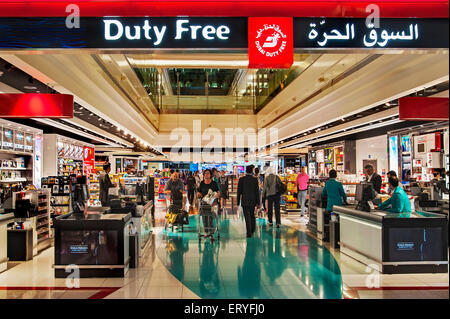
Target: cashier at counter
column 399, row 201
column 334, row 192
column 129, row 172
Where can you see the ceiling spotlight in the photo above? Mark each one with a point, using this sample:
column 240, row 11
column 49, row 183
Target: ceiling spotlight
column 28, row 87
column 118, row 129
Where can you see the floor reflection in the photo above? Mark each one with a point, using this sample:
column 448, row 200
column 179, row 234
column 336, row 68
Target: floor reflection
column 274, row 263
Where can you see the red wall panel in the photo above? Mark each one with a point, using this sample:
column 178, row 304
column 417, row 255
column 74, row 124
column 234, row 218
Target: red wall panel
column 34, row 105
column 424, row 108
column 227, row 8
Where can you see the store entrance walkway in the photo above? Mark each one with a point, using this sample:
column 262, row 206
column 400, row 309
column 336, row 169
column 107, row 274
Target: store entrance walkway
column 274, row 263
column 285, row 263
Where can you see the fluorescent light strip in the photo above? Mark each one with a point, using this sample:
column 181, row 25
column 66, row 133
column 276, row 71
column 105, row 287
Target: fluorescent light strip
column 347, row 132
column 192, row 63
column 75, row 131
column 199, row 63
column 88, row 126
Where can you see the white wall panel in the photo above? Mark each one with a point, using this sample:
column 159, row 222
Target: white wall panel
column 374, row 148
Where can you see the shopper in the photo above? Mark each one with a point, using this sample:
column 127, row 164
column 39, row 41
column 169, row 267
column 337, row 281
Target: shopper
column 105, row 184
column 373, row 177
column 175, row 188
column 191, row 186
column 248, row 198
column 399, row 201
column 261, row 185
column 197, row 179
column 223, row 186
column 206, row 185
column 302, row 187
column 271, row 192
column 334, row 193
column 258, row 178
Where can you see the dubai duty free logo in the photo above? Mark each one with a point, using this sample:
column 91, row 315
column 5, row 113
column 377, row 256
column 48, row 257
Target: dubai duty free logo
column 270, row 40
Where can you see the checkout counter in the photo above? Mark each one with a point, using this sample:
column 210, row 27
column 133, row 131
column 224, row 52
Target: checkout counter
column 5, row 219
column 95, row 241
column 394, row 243
column 141, row 218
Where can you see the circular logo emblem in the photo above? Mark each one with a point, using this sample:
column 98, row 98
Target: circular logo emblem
column 270, row 40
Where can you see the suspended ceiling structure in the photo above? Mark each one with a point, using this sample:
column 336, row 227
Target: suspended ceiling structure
column 133, row 100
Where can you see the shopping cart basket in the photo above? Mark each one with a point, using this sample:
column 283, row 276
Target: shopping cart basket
column 208, row 221
column 175, row 216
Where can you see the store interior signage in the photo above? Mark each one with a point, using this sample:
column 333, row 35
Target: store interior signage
column 357, row 33
column 225, row 33
column 270, row 42
column 416, row 108
column 36, row 105
column 115, row 30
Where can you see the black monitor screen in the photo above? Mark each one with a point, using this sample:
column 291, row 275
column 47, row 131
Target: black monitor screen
column 415, row 244
column 23, row 207
column 359, row 192
column 368, row 192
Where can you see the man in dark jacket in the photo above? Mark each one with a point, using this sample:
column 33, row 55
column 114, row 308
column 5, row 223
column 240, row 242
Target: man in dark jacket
column 105, row 184
column 373, row 178
column 191, row 185
column 248, row 198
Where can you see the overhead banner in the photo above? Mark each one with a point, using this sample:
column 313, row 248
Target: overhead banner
column 330, row 33
column 125, row 33
column 224, row 33
column 36, row 105
column 270, row 43
column 423, row 108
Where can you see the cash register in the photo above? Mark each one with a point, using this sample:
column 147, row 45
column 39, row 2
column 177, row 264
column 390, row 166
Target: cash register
column 365, row 196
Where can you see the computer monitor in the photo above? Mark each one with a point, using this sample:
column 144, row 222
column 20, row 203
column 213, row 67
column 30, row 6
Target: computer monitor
column 359, row 192
column 415, row 190
column 368, row 192
column 365, row 194
column 23, row 207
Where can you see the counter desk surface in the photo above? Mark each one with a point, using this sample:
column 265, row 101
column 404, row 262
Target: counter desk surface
column 413, row 242
column 6, row 218
column 380, row 215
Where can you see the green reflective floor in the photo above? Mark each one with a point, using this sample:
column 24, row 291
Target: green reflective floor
column 283, row 263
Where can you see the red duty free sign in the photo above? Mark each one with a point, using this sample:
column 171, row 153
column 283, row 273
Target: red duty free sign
column 270, row 42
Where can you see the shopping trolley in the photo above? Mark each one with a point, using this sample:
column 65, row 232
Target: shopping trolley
column 208, row 216
column 175, row 216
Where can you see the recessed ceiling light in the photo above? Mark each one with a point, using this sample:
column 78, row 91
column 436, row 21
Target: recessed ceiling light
column 28, row 87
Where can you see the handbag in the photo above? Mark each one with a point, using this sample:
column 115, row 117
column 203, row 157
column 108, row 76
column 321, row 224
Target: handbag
column 281, row 187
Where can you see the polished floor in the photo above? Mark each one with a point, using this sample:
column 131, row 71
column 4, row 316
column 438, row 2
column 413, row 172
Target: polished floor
column 283, row 263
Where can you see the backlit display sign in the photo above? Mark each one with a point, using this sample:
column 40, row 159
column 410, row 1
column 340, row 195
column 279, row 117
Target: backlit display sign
column 227, row 32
